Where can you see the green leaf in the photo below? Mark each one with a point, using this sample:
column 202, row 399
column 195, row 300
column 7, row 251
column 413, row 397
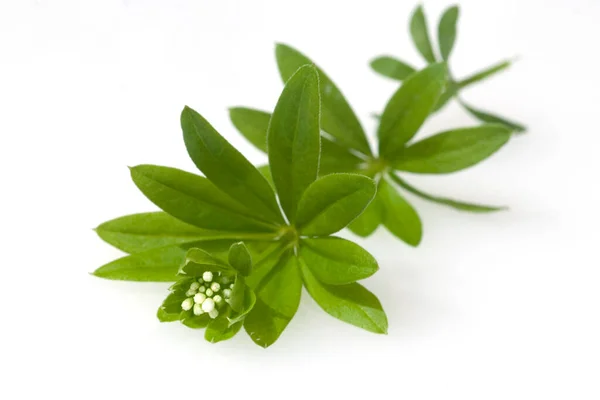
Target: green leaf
column 238, row 294
column 240, row 258
column 226, row 167
column 447, row 31
column 367, row 222
column 220, row 329
column 248, row 305
column 252, row 124
column 140, row 232
column 399, row 217
column 278, row 297
column 337, row 158
column 294, row 138
column 454, row 150
column 170, row 310
column 198, row 261
column 332, row 202
column 459, row 205
column 350, row 303
column 195, row 200
column 194, row 321
column 266, row 171
column 409, row 107
column 155, row 265
column 420, row 34
column 392, row 68
column 486, row 73
column 337, row 117
column 491, row 118
column 449, row 93
column 337, row 261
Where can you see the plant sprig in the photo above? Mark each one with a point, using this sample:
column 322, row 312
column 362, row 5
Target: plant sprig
column 204, row 218
column 399, row 70
column 345, row 148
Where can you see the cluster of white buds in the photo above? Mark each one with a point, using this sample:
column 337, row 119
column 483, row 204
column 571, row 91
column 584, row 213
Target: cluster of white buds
column 203, row 297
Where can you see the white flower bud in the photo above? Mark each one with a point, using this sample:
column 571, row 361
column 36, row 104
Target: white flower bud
column 208, row 305
column 199, row 298
column 202, row 289
column 215, row 287
column 187, row 304
column 194, row 286
column 214, row 313
column 225, row 280
column 190, row 293
column 227, row 293
column 209, row 292
column 231, row 286
column 198, row 309
column 218, row 299
column 207, row 276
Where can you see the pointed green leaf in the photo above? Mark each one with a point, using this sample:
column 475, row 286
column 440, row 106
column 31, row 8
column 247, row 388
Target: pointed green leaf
column 337, row 261
column 486, row 73
column 392, row 68
column 367, row 222
column 294, row 138
column 399, row 217
column 447, row 31
column 420, row 34
column 409, row 107
column 170, row 310
column 198, row 261
column 220, row 329
column 238, row 294
column 336, row 158
column 240, row 258
column 155, row 265
column 226, row 167
column 337, row 117
column 190, row 320
column 484, row 116
column 195, row 200
column 332, row 202
column 140, row 232
column 459, row 205
column 449, row 93
column 351, row 303
column 247, row 306
column 266, row 171
column 454, row 150
column 278, row 297
column 252, row 124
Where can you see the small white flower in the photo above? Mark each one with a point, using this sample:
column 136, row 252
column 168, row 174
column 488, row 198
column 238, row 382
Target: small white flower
column 209, row 292
column 187, row 304
column 190, row 293
column 227, row 293
column 202, row 289
column 215, row 287
column 194, row 286
column 198, row 309
column 231, row 286
column 218, row 299
column 208, row 305
column 207, row 276
column 214, row 313
column 199, row 298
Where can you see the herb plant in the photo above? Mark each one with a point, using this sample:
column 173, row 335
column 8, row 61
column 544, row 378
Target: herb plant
column 399, row 70
column 195, row 241
column 345, row 148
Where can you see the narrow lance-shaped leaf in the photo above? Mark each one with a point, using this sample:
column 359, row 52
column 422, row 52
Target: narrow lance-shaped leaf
column 226, row 167
column 420, row 34
column 447, row 31
column 458, row 205
column 337, row 117
column 484, row 116
column 198, row 261
column 409, row 107
column 367, row 222
column 351, row 303
column 252, row 124
column 486, row 73
column 294, row 138
column 337, row 261
column 398, row 216
column 454, row 150
column 140, row 232
column 195, row 200
column 332, row 202
column 392, row 68
column 278, row 297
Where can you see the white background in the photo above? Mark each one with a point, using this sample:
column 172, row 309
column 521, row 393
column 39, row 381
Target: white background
column 499, row 306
